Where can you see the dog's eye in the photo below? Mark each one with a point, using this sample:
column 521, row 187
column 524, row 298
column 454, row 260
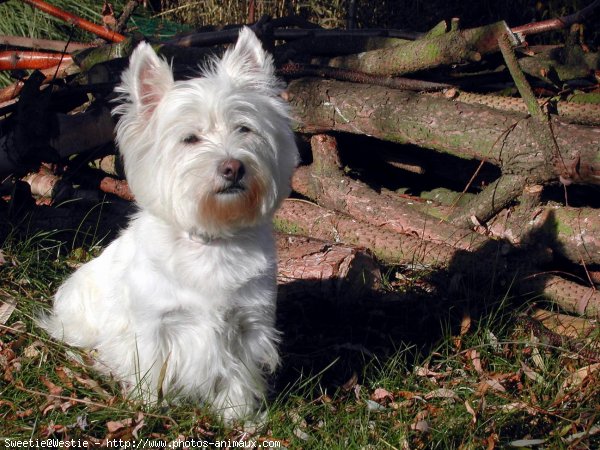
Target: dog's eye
column 191, row 139
column 244, row 129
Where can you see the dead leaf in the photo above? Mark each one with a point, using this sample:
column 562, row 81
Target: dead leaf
column 471, row 411
column 476, row 361
column 108, row 16
column 420, row 425
column 495, row 385
column 575, row 379
column 374, row 406
column 53, row 389
column 352, row 381
column 115, row 425
column 382, row 396
column 530, row 373
column 32, row 351
column 139, row 423
column 516, row 406
column 7, row 306
column 442, row 393
column 65, row 375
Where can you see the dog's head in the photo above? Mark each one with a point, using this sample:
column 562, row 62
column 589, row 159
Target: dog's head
column 211, row 154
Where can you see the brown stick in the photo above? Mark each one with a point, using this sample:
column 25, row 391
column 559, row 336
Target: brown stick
column 11, row 60
column 558, row 23
column 86, row 25
column 56, row 72
column 43, row 44
column 128, row 10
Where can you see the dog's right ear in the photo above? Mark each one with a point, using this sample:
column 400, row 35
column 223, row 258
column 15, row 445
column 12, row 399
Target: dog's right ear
column 146, row 80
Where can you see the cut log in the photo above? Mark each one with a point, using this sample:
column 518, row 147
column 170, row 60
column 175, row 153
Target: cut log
column 309, row 267
column 494, row 264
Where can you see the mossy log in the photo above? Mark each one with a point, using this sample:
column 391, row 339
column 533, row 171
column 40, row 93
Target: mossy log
column 432, row 51
column 507, row 139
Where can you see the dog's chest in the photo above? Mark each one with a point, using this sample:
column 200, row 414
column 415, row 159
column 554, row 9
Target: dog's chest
column 194, row 277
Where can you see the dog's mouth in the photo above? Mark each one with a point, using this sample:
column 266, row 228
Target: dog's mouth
column 232, row 189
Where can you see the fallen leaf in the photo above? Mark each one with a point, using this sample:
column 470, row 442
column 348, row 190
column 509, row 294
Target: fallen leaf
column 526, row 442
column 575, row 379
column 442, row 393
column 139, row 423
column 52, row 388
column 374, row 406
column 420, row 425
column 495, row 385
column 530, row 373
column 382, row 396
column 116, row 425
column 476, row 361
column 352, row 381
column 7, row 306
column 471, row 411
column 515, row 406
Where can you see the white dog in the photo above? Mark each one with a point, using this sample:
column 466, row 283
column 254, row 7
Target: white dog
column 182, row 304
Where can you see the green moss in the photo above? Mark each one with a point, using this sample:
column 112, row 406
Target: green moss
column 285, row 226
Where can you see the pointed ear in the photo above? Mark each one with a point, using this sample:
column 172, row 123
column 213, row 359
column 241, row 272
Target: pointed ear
column 146, row 80
column 247, row 62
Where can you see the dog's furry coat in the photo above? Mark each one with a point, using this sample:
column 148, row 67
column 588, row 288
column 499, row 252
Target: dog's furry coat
column 185, row 297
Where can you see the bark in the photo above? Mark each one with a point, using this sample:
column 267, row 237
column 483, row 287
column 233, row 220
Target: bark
column 309, row 267
column 450, row 48
column 573, row 233
column 581, row 113
column 301, row 217
column 469, row 131
column 570, row 296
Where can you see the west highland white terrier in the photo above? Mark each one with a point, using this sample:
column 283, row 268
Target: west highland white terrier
column 182, row 304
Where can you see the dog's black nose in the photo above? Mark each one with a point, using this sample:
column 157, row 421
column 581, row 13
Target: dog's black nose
column 232, row 170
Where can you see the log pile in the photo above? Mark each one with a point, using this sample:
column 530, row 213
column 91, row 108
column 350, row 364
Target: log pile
column 499, row 125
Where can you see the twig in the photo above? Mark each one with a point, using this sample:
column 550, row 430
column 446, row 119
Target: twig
column 43, row 44
column 128, row 10
column 86, row 25
column 87, row 402
column 56, row 72
column 558, row 23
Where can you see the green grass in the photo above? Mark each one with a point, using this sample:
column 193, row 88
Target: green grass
column 484, row 389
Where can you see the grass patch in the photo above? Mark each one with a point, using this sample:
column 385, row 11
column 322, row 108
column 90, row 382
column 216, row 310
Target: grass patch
column 487, row 386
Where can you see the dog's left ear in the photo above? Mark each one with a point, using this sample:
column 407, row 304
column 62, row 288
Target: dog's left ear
column 247, row 62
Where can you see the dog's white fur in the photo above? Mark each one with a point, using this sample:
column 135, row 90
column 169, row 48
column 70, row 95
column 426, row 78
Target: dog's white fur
column 185, row 296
